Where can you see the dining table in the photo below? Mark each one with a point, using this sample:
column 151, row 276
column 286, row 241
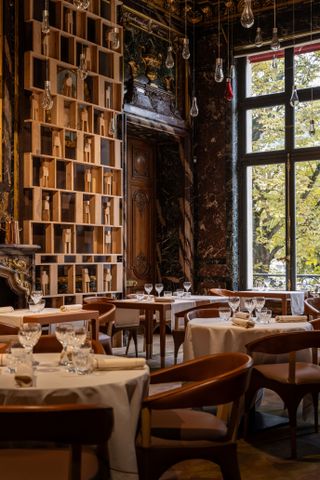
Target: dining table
column 123, row 390
column 296, row 298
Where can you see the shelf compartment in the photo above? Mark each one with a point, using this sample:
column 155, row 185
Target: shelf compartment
column 110, row 211
column 68, row 206
column 86, row 278
column 112, row 182
column 66, row 82
column 90, row 52
column 87, row 179
column 38, row 171
column 68, row 23
column 85, row 121
column 67, row 49
column 70, row 140
column 112, row 240
column 65, row 279
column 111, row 278
column 39, row 234
column 64, row 175
column 89, row 239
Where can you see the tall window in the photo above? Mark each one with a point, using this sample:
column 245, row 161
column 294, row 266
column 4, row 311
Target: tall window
column 280, row 163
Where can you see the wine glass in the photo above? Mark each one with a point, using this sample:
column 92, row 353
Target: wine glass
column 36, row 295
column 65, row 334
column 28, row 335
column 234, row 303
column 187, row 286
column 159, row 288
column 148, row 288
column 260, row 301
column 249, row 304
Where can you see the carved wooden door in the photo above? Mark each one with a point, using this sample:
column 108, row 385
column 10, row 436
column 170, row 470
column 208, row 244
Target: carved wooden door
column 141, row 214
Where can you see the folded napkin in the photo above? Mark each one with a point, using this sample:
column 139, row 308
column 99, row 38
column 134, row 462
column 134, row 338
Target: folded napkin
column 118, row 363
column 241, row 322
column 291, row 318
column 6, row 309
column 66, row 308
column 3, row 359
column 23, row 380
column 244, row 315
column 164, row 299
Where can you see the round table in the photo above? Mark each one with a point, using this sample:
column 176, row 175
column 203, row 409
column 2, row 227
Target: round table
column 122, row 390
column 214, row 335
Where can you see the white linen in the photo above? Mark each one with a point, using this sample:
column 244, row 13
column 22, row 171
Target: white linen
column 111, row 362
column 213, row 335
column 242, row 322
column 297, row 303
column 291, row 318
column 6, row 309
column 67, row 308
column 121, row 390
column 16, row 317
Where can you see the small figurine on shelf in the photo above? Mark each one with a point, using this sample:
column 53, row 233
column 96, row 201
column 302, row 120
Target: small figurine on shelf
column 45, row 45
column 34, row 107
column 68, row 18
column 108, row 178
column 112, row 126
column 46, row 208
column 87, row 149
column 101, row 124
column 88, row 180
column 66, row 238
column 88, row 57
column 108, row 96
column 44, row 174
column 56, row 144
column 44, row 281
column 85, row 280
column 108, row 241
column 107, row 213
column 107, row 280
column 67, row 85
column 84, row 119
column 86, row 212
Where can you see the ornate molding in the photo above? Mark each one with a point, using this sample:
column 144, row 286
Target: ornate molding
column 141, row 266
column 18, row 273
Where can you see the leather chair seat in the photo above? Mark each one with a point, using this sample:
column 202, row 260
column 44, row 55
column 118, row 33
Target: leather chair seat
column 305, row 372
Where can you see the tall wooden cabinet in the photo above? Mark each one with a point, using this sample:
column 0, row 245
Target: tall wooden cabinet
column 72, row 157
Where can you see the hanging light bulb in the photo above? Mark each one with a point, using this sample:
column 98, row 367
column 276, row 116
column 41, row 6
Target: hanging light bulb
column 275, row 43
column 294, row 99
column 247, row 18
column 115, row 38
column 232, row 71
column 312, row 128
column 185, row 49
column 83, row 68
column 258, row 40
column 274, row 62
column 218, row 72
column 169, row 60
column 46, row 99
column 45, row 27
column 228, row 95
column 194, row 110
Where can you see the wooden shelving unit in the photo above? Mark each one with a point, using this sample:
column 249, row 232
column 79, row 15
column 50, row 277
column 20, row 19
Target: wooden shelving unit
column 72, row 162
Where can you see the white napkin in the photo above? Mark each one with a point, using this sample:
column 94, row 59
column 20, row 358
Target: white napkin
column 6, row 309
column 241, row 322
column 3, row 359
column 110, row 362
column 291, row 318
column 243, row 315
column 66, row 308
column 297, row 303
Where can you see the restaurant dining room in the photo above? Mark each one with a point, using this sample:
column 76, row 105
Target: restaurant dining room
column 159, row 239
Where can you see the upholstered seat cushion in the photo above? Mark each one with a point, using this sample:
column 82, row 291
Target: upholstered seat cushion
column 305, row 372
column 43, row 464
column 187, row 424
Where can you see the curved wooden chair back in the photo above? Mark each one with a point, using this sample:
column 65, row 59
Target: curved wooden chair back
column 312, row 306
column 222, row 292
column 211, row 312
column 87, row 300
column 106, row 311
column 50, row 344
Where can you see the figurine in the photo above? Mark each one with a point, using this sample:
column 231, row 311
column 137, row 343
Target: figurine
column 56, row 147
column 67, row 85
column 46, row 208
column 85, row 280
column 108, row 240
column 108, row 96
column 68, row 18
column 66, row 238
column 107, row 213
column 87, row 149
column 108, row 280
column 88, row 180
column 86, row 211
column 44, row 174
column 45, row 45
column 34, row 107
column 44, row 281
column 101, row 124
column 112, row 126
column 108, row 177
column 84, row 119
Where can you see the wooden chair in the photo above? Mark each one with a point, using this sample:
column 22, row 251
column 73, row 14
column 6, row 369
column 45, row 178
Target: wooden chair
column 222, row 292
column 172, row 432
column 178, row 333
column 54, row 426
column 312, row 307
column 291, row 380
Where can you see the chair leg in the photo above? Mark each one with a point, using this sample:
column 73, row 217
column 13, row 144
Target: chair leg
column 135, row 340
column 315, row 411
column 229, row 465
column 128, row 341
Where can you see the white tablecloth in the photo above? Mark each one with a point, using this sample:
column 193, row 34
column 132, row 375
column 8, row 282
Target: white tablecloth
column 121, row 390
column 15, row 318
column 213, row 335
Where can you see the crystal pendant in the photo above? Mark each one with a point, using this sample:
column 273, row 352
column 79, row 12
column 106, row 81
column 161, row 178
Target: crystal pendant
column 45, row 27
column 194, row 110
column 46, row 99
column 294, row 99
column 115, row 38
column 81, row 4
column 218, row 72
column 312, row 128
column 169, row 60
column 185, row 49
column 258, row 40
column 83, row 69
column 247, row 18
column 275, row 44
column 232, row 71
column 228, row 95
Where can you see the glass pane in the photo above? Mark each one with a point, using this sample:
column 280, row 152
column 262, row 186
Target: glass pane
column 305, row 112
column 307, row 224
column 265, row 127
column 265, row 74
column 307, row 66
column 266, row 226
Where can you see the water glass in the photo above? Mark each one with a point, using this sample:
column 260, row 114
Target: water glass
column 224, row 313
column 36, row 307
column 82, row 360
column 264, row 316
column 65, row 335
column 17, row 354
column 180, row 292
column 24, row 370
column 167, row 293
column 140, row 296
column 148, row 288
column 159, row 288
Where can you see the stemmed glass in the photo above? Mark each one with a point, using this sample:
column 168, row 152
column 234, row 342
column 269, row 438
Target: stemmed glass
column 159, row 288
column 36, row 296
column 259, row 301
column 28, row 335
column 187, row 286
column 65, row 335
column 250, row 304
column 148, row 288
column 234, row 303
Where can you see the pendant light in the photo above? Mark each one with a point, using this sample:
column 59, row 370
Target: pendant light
column 275, row 44
column 185, row 49
column 247, row 18
column 83, row 67
column 312, row 128
column 46, row 100
column 228, row 95
column 218, row 72
column 45, row 26
column 294, row 99
column 169, row 62
column 258, row 41
column 194, row 110
column 81, row 5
